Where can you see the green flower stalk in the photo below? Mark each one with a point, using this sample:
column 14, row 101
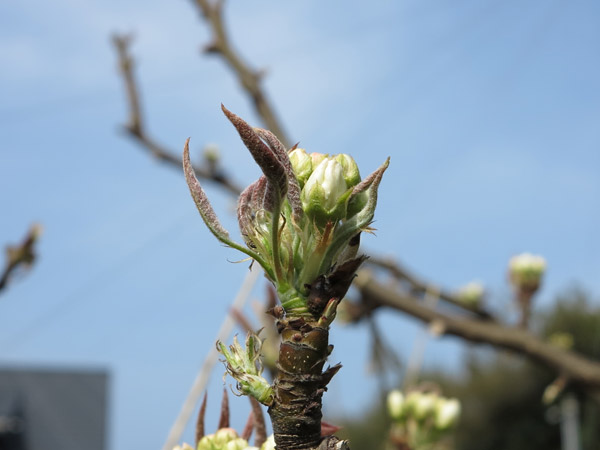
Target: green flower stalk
column 301, row 221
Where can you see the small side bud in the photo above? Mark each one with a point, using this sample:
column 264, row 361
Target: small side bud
column 526, row 271
column 244, row 365
column 211, row 153
column 301, row 164
column 471, row 294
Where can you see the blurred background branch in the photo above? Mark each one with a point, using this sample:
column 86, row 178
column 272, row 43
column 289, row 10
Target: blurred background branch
column 22, row 255
column 137, row 129
column 250, row 79
column 375, row 295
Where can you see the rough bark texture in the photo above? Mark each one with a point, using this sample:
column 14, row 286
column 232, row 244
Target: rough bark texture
column 300, row 383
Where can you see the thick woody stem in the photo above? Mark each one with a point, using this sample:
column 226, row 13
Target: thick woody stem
column 296, row 412
column 300, row 383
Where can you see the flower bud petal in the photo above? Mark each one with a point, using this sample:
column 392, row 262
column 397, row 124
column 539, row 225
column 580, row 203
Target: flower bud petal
column 317, row 158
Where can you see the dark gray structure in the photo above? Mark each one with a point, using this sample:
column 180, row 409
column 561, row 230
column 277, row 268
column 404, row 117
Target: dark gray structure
column 53, row 409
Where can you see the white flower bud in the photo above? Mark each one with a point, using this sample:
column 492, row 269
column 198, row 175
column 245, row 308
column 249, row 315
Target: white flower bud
column 424, row 405
column 471, row 294
column 395, row 404
column 447, row 412
column 325, row 193
column 526, row 270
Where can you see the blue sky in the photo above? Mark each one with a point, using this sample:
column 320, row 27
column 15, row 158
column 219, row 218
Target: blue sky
column 490, row 112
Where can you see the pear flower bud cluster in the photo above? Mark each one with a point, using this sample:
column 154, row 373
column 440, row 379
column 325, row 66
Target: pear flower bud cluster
column 226, row 439
column 471, row 294
column 301, row 219
column 421, row 419
column 526, row 271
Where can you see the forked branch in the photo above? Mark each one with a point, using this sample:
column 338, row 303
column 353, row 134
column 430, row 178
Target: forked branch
column 136, row 128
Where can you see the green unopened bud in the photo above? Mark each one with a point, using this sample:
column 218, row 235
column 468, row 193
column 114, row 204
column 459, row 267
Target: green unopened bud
column 325, row 193
column 351, row 173
column 301, row 165
column 212, row 153
column 526, row 270
column 471, row 294
column 269, row 444
column 447, row 412
column 395, row 404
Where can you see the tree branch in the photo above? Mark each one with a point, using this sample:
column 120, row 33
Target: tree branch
column 576, row 367
column 249, row 78
column 136, row 128
column 420, row 287
column 20, row 255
